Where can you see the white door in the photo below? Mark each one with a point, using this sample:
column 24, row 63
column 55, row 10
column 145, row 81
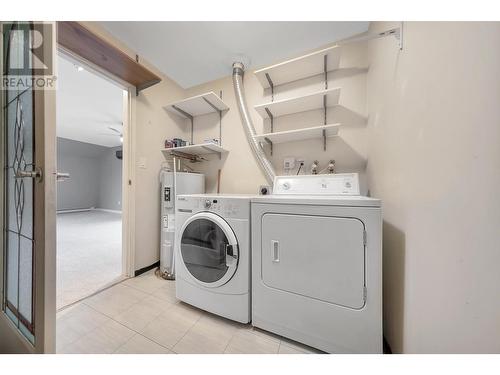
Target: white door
column 27, row 314
column 320, row 257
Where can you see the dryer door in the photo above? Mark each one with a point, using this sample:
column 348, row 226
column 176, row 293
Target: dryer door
column 209, row 249
column 319, row 257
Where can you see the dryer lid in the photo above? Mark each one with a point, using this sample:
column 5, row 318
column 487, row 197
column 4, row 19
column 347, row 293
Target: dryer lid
column 319, row 200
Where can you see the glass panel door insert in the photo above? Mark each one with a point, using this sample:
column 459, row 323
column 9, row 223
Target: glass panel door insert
column 203, row 248
column 18, row 128
column 209, row 249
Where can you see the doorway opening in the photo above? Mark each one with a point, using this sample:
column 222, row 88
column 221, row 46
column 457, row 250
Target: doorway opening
column 90, row 127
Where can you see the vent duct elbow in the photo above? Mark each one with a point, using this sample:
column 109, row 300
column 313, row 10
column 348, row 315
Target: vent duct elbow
column 257, row 149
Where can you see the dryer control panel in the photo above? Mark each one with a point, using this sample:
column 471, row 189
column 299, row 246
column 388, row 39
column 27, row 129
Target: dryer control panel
column 328, row 184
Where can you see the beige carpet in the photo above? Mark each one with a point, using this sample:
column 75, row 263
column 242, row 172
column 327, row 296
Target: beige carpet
column 89, row 253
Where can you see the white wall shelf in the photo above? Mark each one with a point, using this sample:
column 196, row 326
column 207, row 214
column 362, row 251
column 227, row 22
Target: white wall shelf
column 198, row 149
column 307, row 102
column 197, row 105
column 329, row 130
column 310, row 65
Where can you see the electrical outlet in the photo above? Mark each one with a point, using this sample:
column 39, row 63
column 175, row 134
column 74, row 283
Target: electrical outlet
column 142, row 162
column 289, row 163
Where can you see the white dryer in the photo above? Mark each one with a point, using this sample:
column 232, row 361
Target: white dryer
column 317, row 263
column 213, row 254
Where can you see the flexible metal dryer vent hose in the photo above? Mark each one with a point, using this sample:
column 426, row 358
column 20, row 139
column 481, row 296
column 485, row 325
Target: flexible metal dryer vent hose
column 258, row 151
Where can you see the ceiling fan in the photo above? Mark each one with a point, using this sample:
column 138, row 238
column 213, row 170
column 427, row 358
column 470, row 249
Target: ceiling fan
column 116, row 132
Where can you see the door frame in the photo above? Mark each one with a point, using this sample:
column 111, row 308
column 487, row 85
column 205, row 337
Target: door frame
column 128, row 170
column 45, row 200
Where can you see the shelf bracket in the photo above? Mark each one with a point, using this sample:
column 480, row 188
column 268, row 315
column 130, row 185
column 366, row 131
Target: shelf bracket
column 399, row 36
column 271, row 84
column 324, row 121
column 192, row 130
column 396, row 32
column 182, row 112
column 271, row 117
column 270, row 143
column 325, row 70
column 189, row 116
column 145, row 85
column 220, row 119
column 211, row 105
column 220, row 124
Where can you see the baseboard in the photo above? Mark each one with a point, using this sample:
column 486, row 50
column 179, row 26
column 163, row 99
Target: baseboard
column 86, row 210
column 107, row 210
column 146, row 269
column 75, row 210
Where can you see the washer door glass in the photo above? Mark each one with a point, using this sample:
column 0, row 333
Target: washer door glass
column 209, row 249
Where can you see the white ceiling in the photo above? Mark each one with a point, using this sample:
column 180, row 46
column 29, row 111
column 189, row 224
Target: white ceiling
column 87, row 105
column 192, row 53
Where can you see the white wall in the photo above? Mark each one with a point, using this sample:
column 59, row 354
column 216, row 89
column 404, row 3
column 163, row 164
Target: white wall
column 110, row 180
column 241, row 173
column 81, row 161
column 151, row 126
column 434, row 160
column 95, row 176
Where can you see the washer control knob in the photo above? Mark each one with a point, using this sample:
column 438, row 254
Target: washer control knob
column 286, row 185
column 208, row 203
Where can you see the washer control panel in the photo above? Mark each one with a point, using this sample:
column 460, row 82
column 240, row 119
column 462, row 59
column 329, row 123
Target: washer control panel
column 208, row 203
column 222, row 207
column 329, row 184
column 227, row 207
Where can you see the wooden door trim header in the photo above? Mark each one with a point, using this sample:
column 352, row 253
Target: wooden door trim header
column 79, row 40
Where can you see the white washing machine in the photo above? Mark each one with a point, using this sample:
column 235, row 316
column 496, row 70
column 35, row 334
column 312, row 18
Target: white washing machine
column 317, row 263
column 213, row 254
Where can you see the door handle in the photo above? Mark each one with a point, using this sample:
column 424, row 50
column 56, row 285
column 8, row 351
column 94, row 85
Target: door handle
column 230, row 253
column 62, row 176
column 275, row 251
column 36, row 173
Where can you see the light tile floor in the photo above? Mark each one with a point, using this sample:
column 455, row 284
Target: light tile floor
column 141, row 315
